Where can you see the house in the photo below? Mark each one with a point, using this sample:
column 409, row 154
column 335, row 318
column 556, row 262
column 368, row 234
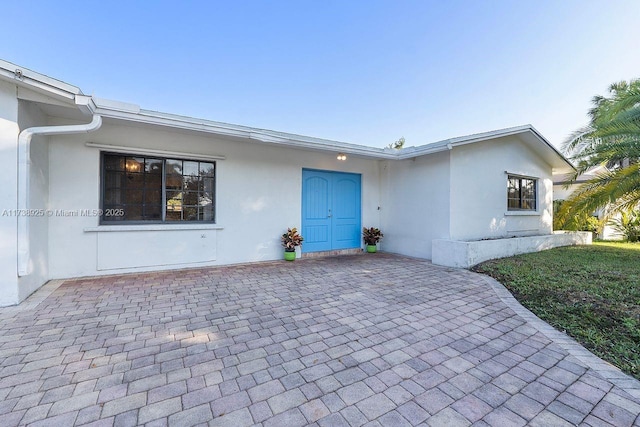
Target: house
column 94, row 187
column 563, row 187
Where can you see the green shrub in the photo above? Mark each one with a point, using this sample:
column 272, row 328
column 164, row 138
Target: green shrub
column 628, row 225
column 581, row 222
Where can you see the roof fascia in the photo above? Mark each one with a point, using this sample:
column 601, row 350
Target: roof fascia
column 132, row 113
column 129, row 112
column 543, row 139
column 40, row 82
column 448, row 144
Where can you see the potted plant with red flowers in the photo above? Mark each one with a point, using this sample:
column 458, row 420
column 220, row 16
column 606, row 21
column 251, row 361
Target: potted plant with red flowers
column 371, row 238
column 290, row 240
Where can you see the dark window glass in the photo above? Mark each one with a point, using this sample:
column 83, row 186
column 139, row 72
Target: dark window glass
column 521, row 194
column 151, row 189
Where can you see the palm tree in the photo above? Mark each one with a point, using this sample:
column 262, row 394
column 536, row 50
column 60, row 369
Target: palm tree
column 612, row 138
column 398, row 144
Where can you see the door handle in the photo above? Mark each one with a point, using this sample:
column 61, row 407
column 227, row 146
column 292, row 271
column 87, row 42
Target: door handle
column 329, row 215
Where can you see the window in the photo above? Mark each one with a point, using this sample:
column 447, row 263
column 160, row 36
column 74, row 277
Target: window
column 152, row 189
column 521, row 193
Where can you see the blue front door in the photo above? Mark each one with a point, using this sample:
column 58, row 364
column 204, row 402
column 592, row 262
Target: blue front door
column 331, row 210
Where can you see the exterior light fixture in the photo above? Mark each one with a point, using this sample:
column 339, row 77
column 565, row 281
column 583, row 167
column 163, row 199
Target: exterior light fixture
column 342, row 157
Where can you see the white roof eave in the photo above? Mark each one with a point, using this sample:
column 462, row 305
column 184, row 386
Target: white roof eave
column 556, row 159
column 36, row 81
column 130, row 114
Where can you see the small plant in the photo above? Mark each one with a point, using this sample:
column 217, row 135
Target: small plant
column 371, row 236
column 594, row 225
column 628, row 225
column 579, row 222
column 291, row 239
column 398, row 144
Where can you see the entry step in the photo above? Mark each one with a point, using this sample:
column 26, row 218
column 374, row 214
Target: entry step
column 354, row 251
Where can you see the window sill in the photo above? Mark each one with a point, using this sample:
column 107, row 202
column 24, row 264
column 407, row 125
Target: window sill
column 522, row 213
column 152, row 227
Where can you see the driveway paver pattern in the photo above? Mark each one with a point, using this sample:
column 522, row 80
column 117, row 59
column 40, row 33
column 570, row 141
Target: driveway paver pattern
column 375, row 340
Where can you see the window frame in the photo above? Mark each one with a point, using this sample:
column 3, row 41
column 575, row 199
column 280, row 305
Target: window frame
column 164, row 158
column 521, row 199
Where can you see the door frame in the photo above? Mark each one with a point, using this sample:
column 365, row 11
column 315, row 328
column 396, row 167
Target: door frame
column 331, row 198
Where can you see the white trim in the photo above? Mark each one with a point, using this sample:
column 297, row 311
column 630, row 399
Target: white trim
column 310, row 143
column 449, row 144
column 150, row 151
column 152, row 227
column 25, row 77
column 519, row 175
column 243, row 132
column 522, row 213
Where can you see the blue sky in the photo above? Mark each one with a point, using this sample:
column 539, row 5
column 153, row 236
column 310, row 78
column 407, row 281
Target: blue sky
column 366, row 72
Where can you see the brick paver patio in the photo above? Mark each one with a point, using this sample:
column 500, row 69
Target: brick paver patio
column 358, row 340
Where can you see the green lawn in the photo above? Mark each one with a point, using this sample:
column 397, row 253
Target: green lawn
column 591, row 292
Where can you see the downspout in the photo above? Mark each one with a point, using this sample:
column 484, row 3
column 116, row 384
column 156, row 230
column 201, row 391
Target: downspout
column 24, row 166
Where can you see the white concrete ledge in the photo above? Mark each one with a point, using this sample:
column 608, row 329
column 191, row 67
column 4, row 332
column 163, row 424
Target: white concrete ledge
column 456, row 253
column 152, row 227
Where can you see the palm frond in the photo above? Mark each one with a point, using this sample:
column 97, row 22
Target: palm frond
column 613, row 189
column 611, row 139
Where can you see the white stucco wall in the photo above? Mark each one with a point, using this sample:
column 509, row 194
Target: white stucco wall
column 456, row 253
column 258, row 193
column 479, row 190
column 29, row 115
column 9, row 131
column 415, row 204
column 562, row 193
